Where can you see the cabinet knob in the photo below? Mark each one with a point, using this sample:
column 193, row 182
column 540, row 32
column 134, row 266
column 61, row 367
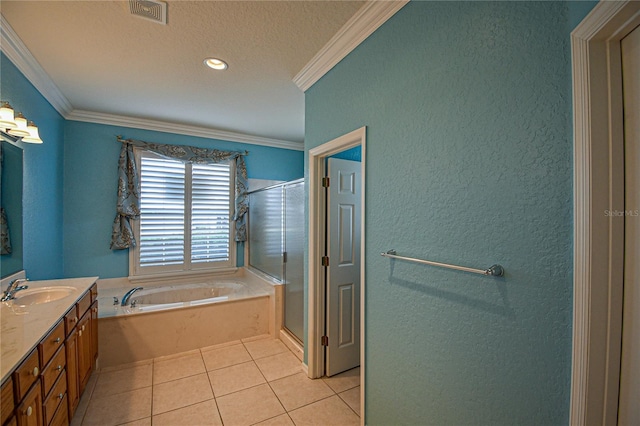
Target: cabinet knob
column 83, row 328
column 75, row 319
column 80, row 333
column 95, row 309
column 59, row 368
column 28, row 411
column 36, row 370
column 60, row 395
column 58, row 340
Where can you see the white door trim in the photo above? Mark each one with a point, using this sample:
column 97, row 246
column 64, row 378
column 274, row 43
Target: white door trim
column 317, row 155
column 598, row 187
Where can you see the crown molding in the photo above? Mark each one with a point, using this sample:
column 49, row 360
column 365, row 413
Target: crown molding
column 361, row 25
column 181, row 129
column 22, row 58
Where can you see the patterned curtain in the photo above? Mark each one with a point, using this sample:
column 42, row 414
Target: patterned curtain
column 129, row 192
column 5, row 240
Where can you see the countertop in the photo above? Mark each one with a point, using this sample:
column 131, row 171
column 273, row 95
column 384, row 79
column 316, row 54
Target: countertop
column 24, row 326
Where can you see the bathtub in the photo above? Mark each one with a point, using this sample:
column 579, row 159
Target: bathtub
column 170, row 318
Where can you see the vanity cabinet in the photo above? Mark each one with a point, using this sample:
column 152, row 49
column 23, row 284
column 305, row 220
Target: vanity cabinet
column 81, row 323
column 45, row 388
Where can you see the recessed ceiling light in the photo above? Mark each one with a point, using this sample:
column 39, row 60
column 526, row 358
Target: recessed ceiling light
column 216, row 64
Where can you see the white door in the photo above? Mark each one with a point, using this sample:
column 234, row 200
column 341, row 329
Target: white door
column 629, row 406
column 344, row 197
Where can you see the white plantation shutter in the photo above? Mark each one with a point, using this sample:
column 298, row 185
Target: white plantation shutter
column 185, row 218
column 210, row 218
column 162, row 212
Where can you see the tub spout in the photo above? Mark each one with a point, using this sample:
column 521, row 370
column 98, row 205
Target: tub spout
column 127, row 296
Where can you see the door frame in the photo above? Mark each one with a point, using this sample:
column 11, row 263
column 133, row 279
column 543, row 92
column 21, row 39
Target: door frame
column 316, row 298
column 598, row 187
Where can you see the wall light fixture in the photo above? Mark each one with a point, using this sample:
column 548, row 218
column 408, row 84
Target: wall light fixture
column 16, row 127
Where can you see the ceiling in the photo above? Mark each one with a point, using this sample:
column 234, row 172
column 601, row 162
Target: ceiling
column 105, row 60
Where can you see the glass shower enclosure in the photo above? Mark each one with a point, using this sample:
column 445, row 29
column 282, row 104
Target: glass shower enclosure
column 276, row 244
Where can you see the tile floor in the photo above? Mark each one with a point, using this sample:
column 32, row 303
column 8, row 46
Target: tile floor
column 253, row 381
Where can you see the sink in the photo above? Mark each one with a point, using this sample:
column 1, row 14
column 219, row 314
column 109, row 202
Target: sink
column 41, row 295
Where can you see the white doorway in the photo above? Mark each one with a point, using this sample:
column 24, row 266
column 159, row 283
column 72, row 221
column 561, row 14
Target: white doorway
column 599, row 190
column 629, row 410
column 316, row 272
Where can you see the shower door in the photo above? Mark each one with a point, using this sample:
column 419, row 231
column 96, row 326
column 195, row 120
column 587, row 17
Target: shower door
column 265, row 231
column 276, row 244
column 294, row 258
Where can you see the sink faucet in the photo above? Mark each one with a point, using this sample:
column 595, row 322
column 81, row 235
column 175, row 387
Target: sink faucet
column 14, row 286
column 127, row 296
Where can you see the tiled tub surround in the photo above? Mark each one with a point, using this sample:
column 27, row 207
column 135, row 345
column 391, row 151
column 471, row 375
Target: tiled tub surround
column 252, row 381
column 150, row 330
column 24, row 326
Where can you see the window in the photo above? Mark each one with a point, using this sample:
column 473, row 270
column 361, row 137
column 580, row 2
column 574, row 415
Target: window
column 185, row 216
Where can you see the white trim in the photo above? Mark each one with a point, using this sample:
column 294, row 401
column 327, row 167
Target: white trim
column 17, row 52
column 315, row 351
column 181, row 129
column 361, row 25
column 598, row 186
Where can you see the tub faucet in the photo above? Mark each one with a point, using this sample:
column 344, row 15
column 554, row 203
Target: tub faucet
column 14, row 286
column 127, row 296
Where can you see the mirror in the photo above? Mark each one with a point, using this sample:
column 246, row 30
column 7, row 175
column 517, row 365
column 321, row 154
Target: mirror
column 11, row 202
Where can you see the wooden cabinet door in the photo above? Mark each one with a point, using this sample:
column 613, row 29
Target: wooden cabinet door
column 73, row 385
column 8, row 404
column 29, row 412
column 85, row 361
column 94, row 333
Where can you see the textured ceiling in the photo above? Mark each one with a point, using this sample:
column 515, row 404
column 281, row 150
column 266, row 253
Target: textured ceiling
column 105, row 60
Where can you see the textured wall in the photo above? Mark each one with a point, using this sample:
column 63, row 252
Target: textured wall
column 90, row 177
column 468, row 161
column 42, row 176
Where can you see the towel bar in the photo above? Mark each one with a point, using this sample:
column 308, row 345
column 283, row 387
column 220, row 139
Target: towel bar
column 494, row 270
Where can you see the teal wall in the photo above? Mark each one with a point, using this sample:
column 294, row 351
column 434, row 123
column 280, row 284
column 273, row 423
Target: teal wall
column 90, row 176
column 43, row 174
column 69, row 194
column 468, row 161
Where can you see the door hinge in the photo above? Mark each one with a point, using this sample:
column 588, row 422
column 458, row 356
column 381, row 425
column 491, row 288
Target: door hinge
column 325, row 182
column 325, row 340
column 325, row 260
column 284, row 257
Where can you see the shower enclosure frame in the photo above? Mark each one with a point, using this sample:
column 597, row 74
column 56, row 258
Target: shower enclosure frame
column 287, row 267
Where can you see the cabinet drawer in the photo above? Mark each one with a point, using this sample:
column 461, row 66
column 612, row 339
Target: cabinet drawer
column 51, row 372
column 70, row 320
column 8, row 404
column 51, row 343
column 55, row 398
column 26, row 374
column 84, row 303
column 61, row 418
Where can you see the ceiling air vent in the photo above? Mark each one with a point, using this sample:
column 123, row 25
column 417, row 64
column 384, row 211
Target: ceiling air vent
column 152, row 10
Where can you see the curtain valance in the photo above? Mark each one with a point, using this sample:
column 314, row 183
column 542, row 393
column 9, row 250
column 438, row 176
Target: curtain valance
column 128, row 204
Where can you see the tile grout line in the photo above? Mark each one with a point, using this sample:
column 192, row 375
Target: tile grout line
column 213, row 394
column 273, row 391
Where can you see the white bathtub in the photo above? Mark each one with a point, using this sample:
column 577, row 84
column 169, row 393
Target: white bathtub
column 155, row 298
column 173, row 318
